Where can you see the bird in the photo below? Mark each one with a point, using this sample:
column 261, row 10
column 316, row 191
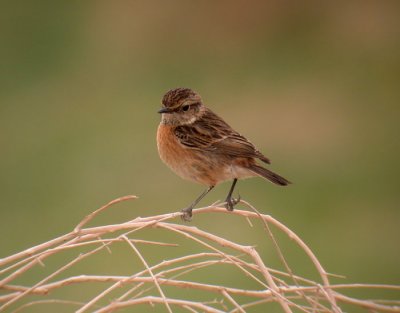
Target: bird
column 199, row 146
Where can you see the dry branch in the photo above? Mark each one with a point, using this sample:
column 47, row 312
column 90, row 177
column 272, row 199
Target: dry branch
column 150, row 284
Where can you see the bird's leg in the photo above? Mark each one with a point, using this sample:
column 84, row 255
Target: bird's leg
column 231, row 202
column 187, row 212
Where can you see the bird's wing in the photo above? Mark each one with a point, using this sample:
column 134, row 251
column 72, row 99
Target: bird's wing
column 213, row 134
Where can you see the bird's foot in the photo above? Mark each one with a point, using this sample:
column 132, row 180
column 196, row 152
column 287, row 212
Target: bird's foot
column 231, row 202
column 187, row 214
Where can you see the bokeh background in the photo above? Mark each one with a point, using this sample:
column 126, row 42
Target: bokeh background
column 315, row 85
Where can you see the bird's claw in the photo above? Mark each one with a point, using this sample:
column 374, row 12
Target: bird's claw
column 231, row 202
column 187, row 214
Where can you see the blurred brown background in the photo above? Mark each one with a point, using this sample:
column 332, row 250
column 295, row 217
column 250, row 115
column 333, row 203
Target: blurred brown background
column 316, row 86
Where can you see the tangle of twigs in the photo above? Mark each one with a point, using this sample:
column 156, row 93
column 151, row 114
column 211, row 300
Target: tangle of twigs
column 166, row 282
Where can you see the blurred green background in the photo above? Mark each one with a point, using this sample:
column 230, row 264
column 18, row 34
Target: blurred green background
column 315, row 85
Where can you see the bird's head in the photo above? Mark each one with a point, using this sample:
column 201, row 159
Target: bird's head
column 181, row 106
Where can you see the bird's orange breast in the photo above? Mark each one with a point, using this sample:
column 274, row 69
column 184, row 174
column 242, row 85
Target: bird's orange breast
column 186, row 162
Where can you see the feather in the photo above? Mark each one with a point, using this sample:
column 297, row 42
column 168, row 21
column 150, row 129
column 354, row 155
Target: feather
column 212, row 133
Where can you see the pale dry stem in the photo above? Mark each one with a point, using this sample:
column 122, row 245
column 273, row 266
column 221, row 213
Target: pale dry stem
column 282, row 286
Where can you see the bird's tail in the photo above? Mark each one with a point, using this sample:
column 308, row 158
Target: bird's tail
column 271, row 176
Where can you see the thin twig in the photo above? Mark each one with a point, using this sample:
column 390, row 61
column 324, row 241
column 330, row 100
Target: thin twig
column 229, row 297
column 92, row 215
column 280, row 286
column 150, row 300
column 150, row 272
column 63, row 268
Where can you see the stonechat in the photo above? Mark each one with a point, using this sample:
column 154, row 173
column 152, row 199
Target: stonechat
column 200, row 146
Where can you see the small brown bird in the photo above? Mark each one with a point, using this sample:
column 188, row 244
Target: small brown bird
column 200, row 146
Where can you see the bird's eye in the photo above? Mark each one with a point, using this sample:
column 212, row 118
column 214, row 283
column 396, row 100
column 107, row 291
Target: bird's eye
column 185, row 107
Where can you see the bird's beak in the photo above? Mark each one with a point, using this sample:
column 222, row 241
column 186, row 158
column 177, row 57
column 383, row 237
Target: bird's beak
column 164, row 110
